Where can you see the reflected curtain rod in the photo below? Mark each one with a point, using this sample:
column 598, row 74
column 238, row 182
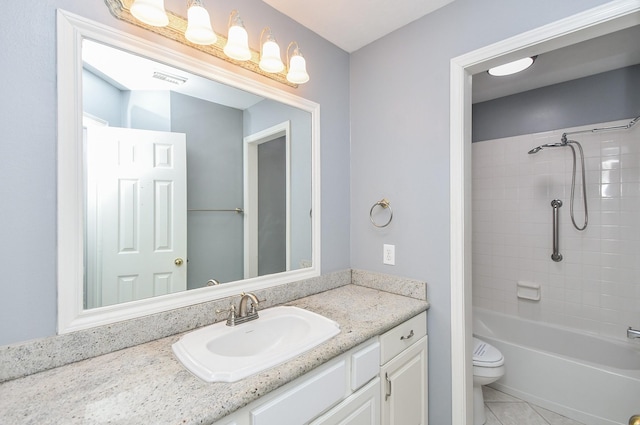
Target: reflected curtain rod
column 236, row 210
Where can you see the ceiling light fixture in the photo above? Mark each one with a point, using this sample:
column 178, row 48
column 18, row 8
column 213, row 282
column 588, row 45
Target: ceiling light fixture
column 196, row 32
column 512, row 67
column 151, row 12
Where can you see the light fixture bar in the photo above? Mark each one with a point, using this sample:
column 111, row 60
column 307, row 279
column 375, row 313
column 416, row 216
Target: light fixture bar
column 175, row 31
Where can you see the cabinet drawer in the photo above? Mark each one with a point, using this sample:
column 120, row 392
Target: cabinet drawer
column 305, row 401
column 396, row 340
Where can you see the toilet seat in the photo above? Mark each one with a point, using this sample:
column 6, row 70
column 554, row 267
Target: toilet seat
column 486, row 355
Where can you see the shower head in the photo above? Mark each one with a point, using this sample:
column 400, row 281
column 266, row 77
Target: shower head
column 546, row 145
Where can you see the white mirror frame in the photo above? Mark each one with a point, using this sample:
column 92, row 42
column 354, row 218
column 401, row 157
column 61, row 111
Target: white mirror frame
column 72, row 29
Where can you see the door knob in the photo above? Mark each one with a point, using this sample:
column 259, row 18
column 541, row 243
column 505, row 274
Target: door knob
column 178, row 261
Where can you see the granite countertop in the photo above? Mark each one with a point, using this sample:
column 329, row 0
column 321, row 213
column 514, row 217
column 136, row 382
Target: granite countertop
column 146, row 384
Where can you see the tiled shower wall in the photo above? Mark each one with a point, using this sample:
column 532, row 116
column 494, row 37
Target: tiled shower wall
column 596, row 287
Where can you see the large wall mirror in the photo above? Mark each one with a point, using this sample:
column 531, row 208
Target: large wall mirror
column 178, row 182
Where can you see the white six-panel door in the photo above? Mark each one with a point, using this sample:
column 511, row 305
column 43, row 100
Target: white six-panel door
column 136, row 214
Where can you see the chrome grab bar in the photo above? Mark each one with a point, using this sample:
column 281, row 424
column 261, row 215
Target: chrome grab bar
column 556, row 256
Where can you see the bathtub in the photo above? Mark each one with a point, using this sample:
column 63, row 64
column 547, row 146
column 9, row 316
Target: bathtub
column 584, row 377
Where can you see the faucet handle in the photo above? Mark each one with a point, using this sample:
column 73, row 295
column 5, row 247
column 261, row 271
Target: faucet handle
column 231, row 320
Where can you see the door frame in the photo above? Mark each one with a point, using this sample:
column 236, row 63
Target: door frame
column 250, row 170
column 610, row 17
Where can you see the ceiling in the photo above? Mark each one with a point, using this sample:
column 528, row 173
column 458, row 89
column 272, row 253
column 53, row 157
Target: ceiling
column 612, row 51
column 127, row 71
column 352, row 24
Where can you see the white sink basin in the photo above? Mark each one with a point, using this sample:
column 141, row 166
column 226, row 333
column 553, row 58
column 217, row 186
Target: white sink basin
column 221, row 353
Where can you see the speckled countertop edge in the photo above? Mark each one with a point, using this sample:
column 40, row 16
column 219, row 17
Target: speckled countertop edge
column 147, row 385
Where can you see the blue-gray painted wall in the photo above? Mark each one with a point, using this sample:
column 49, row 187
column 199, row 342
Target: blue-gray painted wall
column 608, row 96
column 214, row 181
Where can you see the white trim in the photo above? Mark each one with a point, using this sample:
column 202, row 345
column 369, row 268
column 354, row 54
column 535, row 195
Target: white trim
column 71, row 316
column 250, row 169
column 598, row 21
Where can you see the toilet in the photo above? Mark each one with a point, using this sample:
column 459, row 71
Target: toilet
column 488, row 367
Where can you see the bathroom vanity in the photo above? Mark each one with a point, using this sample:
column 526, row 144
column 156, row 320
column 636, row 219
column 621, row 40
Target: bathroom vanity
column 359, row 376
column 382, row 381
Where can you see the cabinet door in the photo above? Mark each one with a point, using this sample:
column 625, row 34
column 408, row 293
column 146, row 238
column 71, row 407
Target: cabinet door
column 404, row 387
column 361, row 408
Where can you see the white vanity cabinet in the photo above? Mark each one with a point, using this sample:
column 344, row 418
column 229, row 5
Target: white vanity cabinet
column 381, row 382
column 345, row 390
column 360, row 408
column 403, row 373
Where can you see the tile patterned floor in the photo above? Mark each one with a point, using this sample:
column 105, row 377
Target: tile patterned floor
column 503, row 409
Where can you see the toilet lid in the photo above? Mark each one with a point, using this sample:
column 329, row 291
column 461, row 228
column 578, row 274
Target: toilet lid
column 486, row 355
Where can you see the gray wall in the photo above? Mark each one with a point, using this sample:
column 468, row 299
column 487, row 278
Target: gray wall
column 608, row 96
column 400, row 149
column 28, row 253
column 101, row 99
column 214, row 181
column 272, row 211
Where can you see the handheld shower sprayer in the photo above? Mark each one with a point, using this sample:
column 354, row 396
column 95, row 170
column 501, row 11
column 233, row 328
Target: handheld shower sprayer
column 565, row 142
column 546, row 145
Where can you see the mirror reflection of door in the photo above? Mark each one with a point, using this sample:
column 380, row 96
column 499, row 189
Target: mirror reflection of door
column 136, row 214
column 267, row 201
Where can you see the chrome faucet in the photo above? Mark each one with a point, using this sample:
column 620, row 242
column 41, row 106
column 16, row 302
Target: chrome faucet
column 242, row 311
column 243, row 316
column 633, row 333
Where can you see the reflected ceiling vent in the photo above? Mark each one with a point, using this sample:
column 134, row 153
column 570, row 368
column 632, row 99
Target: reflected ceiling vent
column 169, row 78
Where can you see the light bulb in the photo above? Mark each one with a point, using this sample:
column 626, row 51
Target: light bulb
column 297, row 70
column 151, row 12
column 199, row 29
column 237, row 46
column 270, row 56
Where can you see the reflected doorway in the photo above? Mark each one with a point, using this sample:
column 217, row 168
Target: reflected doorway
column 267, row 201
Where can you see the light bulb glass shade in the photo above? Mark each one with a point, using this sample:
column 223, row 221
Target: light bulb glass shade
column 270, row 58
column 151, row 12
column 297, row 70
column 237, row 46
column 199, row 29
column 512, row 67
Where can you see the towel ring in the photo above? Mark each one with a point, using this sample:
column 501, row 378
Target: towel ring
column 384, row 203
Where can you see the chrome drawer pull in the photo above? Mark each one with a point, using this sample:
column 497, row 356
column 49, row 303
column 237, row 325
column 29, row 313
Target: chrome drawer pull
column 388, row 391
column 402, row 338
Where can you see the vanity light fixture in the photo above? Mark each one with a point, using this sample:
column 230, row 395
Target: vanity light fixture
column 512, row 67
column 297, row 73
column 196, row 32
column 199, row 30
column 270, row 53
column 237, row 46
column 151, row 12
